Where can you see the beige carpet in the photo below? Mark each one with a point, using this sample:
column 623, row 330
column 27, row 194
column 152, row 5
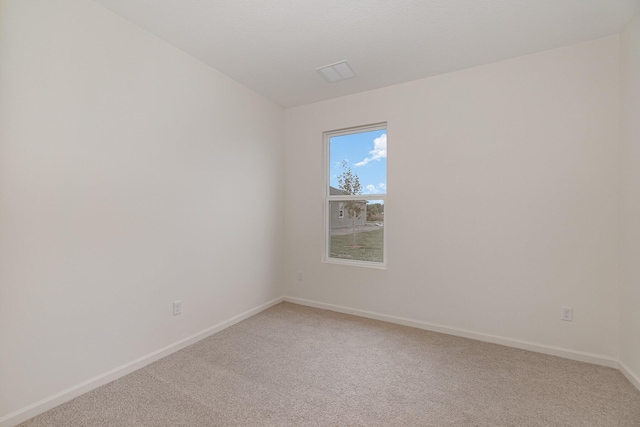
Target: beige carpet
column 298, row 366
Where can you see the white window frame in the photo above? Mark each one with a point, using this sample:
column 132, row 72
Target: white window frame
column 328, row 198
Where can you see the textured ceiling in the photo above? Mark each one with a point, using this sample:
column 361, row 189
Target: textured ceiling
column 274, row 46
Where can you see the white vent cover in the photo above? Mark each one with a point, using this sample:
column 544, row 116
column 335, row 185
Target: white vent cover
column 338, row 71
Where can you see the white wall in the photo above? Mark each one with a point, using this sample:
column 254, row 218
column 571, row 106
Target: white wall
column 630, row 208
column 502, row 205
column 131, row 175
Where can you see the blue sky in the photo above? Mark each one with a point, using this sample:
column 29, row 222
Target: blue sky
column 366, row 154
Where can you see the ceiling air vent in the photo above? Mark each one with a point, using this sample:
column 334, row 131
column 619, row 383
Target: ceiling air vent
column 338, row 71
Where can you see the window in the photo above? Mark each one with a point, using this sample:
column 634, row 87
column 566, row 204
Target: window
column 355, row 195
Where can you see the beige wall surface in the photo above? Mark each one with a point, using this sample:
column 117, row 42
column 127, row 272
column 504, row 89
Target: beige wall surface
column 630, row 207
column 131, row 175
column 502, row 199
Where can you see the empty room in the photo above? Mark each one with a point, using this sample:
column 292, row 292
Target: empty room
column 319, row 213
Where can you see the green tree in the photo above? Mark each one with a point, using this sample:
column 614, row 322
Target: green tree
column 349, row 183
column 374, row 210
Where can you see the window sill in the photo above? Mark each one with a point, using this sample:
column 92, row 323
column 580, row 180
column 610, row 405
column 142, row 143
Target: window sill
column 366, row 264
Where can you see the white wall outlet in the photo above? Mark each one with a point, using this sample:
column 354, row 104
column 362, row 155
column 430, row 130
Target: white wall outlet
column 300, row 277
column 177, row 307
column 566, row 313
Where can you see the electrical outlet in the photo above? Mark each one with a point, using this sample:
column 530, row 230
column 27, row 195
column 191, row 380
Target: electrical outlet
column 300, row 276
column 566, row 313
column 177, row 307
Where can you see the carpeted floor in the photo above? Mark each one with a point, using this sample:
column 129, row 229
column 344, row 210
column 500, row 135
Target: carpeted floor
column 298, row 366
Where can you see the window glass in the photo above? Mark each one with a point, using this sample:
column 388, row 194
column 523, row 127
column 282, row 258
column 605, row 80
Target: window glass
column 356, row 193
column 359, row 237
column 365, row 153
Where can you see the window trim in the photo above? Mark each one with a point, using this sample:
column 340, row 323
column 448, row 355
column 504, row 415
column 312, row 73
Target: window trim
column 327, row 198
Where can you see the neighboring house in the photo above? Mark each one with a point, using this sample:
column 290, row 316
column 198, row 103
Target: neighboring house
column 340, row 216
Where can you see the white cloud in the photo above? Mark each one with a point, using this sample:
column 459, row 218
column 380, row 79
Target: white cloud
column 379, row 150
column 372, row 189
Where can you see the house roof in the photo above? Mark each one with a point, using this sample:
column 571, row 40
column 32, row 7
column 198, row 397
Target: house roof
column 337, row 192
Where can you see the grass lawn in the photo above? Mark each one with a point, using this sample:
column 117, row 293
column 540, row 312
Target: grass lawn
column 369, row 246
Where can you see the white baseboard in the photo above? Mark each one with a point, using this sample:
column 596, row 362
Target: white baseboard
column 50, row 402
column 631, row 376
column 509, row 342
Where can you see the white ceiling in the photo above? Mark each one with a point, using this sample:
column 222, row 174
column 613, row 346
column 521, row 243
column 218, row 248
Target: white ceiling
column 274, row 46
